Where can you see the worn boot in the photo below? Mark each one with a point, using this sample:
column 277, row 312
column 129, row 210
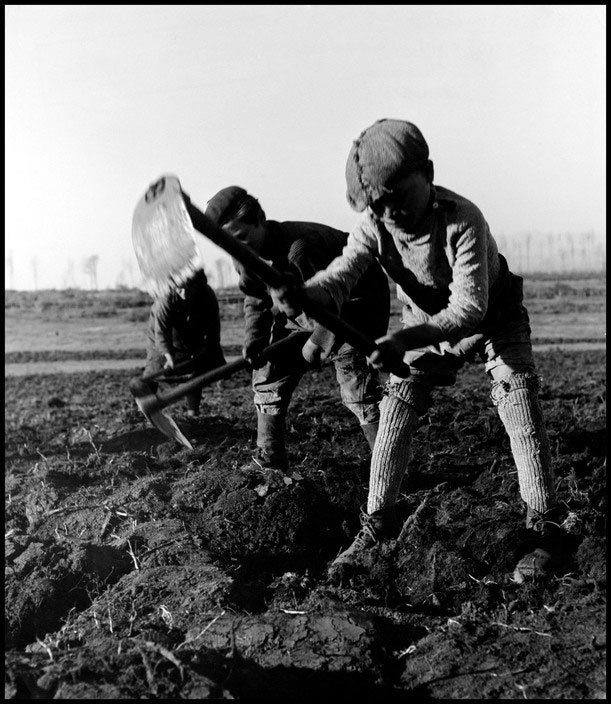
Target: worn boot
column 271, row 449
column 370, row 431
column 380, row 525
column 547, row 543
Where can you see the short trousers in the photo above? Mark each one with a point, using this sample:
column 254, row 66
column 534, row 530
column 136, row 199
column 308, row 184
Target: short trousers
column 360, row 389
column 503, row 344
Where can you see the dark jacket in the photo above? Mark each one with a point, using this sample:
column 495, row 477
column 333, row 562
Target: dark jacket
column 302, row 249
column 189, row 326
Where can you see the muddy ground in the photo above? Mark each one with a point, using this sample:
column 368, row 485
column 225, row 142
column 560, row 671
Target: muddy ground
column 138, row 569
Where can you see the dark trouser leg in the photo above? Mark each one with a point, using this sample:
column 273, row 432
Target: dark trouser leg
column 271, row 443
column 193, row 400
column 273, row 385
column 370, row 431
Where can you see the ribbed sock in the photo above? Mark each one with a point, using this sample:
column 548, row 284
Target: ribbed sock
column 391, row 453
column 520, row 411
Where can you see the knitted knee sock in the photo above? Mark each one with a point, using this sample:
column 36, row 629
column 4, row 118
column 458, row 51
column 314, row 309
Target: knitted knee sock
column 398, row 420
column 518, row 407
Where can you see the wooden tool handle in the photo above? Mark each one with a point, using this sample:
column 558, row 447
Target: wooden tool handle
column 155, row 402
column 275, row 279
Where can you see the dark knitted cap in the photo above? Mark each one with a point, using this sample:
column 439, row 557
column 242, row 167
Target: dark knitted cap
column 222, row 206
column 380, row 154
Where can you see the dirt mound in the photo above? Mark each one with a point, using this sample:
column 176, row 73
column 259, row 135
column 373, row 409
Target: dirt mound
column 44, row 581
column 255, row 517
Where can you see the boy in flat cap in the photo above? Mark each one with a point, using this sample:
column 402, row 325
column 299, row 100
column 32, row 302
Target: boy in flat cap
column 184, row 330
column 460, row 302
column 300, row 249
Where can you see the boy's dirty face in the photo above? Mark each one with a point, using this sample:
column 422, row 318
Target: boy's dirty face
column 405, row 205
column 252, row 235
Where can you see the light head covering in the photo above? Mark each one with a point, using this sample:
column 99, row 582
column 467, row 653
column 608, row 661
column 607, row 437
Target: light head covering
column 383, row 152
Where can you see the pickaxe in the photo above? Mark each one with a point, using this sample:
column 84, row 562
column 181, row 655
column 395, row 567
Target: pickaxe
column 163, row 231
column 153, row 404
column 143, row 387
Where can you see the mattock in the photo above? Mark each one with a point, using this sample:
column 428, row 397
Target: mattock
column 142, row 388
column 153, row 404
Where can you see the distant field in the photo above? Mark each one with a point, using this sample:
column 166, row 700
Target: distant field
column 78, row 324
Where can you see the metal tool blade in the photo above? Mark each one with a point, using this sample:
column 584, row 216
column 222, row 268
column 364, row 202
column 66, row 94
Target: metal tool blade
column 164, row 238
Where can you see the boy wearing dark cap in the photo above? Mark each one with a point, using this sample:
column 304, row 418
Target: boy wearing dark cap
column 300, row 249
column 460, row 302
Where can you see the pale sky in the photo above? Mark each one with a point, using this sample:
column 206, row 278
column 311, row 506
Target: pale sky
column 101, row 100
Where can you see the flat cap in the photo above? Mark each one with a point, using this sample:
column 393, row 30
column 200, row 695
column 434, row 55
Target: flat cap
column 381, row 153
column 223, row 204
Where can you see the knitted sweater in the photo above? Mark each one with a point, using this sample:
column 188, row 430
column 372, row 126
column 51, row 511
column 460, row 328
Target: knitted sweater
column 444, row 271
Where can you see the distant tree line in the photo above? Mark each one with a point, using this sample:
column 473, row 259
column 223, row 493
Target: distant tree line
column 533, row 252
column 530, row 252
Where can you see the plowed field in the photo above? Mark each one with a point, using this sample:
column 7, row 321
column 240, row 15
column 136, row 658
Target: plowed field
column 138, row 569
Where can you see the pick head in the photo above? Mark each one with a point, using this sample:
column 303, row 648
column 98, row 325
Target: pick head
column 164, row 422
column 148, row 403
column 164, row 238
